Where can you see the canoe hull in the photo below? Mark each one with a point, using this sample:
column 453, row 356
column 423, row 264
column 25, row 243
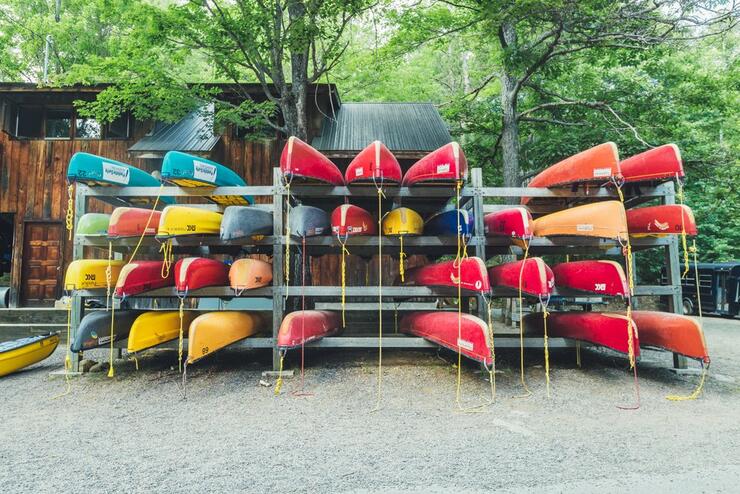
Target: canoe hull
column 347, row 220
column 599, row 277
column 600, row 328
column 216, row 330
column 142, row 276
column 309, row 221
column 402, row 221
column 90, row 274
column 133, row 222
column 661, row 163
column 605, row 219
column 446, row 165
column 441, row 328
column 18, row 354
column 469, row 274
column 537, row 278
column 672, row 332
column 668, row 219
column 93, row 225
column 183, row 220
column 95, row 329
column 300, row 162
column 155, row 328
column 245, row 222
column 302, row 327
column 450, row 222
column 373, row 165
column 193, row 273
column 247, row 274
column 187, row 170
column 511, row 222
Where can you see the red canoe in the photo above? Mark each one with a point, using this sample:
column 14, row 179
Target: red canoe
column 472, row 275
column 596, row 165
column 661, row 220
column 511, row 222
column 659, row 163
column 352, row 220
column 537, row 278
column 305, row 326
column 446, row 165
column 302, row 162
column 470, row 337
column 142, row 276
column 601, row 277
column 132, row 222
column 601, row 328
column 375, row 161
column 672, row 332
column 193, row 273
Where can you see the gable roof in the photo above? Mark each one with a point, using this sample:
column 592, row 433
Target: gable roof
column 404, row 127
column 191, row 134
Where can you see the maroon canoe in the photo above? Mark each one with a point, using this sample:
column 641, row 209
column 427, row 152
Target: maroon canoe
column 132, row 222
column 305, row 326
column 600, row 328
column 663, row 162
column 661, row 220
column 513, row 222
column 672, row 332
column 374, row 165
column 470, row 274
column 192, row 273
column 142, row 276
column 458, row 332
column 445, row 165
column 352, row 220
column 299, row 161
column 600, row 277
column 536, row 278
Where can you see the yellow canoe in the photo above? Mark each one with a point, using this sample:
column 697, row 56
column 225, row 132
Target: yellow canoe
column 601, row 219
column 157, row 327
column 184, row 220
column 89, row 274
column 17, row 354
column 402, row 221
column 213, row 331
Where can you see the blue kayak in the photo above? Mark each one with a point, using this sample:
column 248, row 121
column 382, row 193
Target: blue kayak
column 93, row 170
column 446, row 223
column 187, row 170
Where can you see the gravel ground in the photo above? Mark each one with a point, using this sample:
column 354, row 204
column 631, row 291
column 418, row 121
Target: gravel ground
column 138, row 433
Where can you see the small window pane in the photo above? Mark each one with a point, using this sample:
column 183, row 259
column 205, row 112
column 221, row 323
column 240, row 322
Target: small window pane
column 58, row 124
column 118, row 128
column 30, row 122
column 87, row 128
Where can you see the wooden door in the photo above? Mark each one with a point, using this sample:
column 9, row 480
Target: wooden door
column 42, row 260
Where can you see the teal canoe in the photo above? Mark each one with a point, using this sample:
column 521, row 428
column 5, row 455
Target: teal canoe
column 94, row 170
column 187, row 170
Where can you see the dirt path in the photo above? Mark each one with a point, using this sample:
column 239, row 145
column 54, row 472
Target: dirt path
column 136, row 433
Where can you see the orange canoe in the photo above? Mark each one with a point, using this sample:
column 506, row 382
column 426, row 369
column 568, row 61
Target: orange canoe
column 601, row 219
column 246, row 274
column 668, row 219
column 216, row 330
column 596, row 165
column 672, row 332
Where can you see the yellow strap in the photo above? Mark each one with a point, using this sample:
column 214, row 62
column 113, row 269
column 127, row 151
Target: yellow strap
column 521, row 321
column 69, row 218
column 179, row 341
column 400, row 260
column 683, row 231
column 345, row 252
column 279, row 383
column 631, row 278
column 492, row 371
column 547, row 349
column 111, row 372
column 287, row 239
column 136, row 361
column 166, row 250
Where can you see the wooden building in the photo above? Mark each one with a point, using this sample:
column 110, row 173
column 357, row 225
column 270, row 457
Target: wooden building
column 40, row 131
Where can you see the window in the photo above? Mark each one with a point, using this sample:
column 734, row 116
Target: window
column 58, row 124
column 29, row 122
column 118, row 128
column 87, row 128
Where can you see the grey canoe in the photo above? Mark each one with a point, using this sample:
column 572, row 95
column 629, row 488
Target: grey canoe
column 309, row 221
column 94, row 330
column 244, row 222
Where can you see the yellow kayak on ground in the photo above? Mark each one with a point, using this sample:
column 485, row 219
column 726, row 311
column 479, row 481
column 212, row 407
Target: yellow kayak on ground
column 88, row 274
column 157, row 327
column 216, row 330
column 402, row 221
column 184, row 220
column 17, row 354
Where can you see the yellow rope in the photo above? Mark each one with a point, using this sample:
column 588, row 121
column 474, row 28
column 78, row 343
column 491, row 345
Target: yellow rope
column 547, row 349
column 705, row 369
column 287, row 239
column 683, row 231
column 111, row 372
column 136, row 361
column 631, row 278
column 492, row 371
column 179, row 341
column 521, row 321
column 166, row 250
column 380, row 299
column 458, row 263
column 400, row 260
column 345, row 252
column 279, row 383
column 69, row 218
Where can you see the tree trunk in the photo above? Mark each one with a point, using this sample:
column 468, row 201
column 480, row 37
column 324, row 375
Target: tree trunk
column 510, row 127
column 294, row 109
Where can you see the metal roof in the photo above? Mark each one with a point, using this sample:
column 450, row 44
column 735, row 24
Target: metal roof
column 192, row 134
column 400, row 126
